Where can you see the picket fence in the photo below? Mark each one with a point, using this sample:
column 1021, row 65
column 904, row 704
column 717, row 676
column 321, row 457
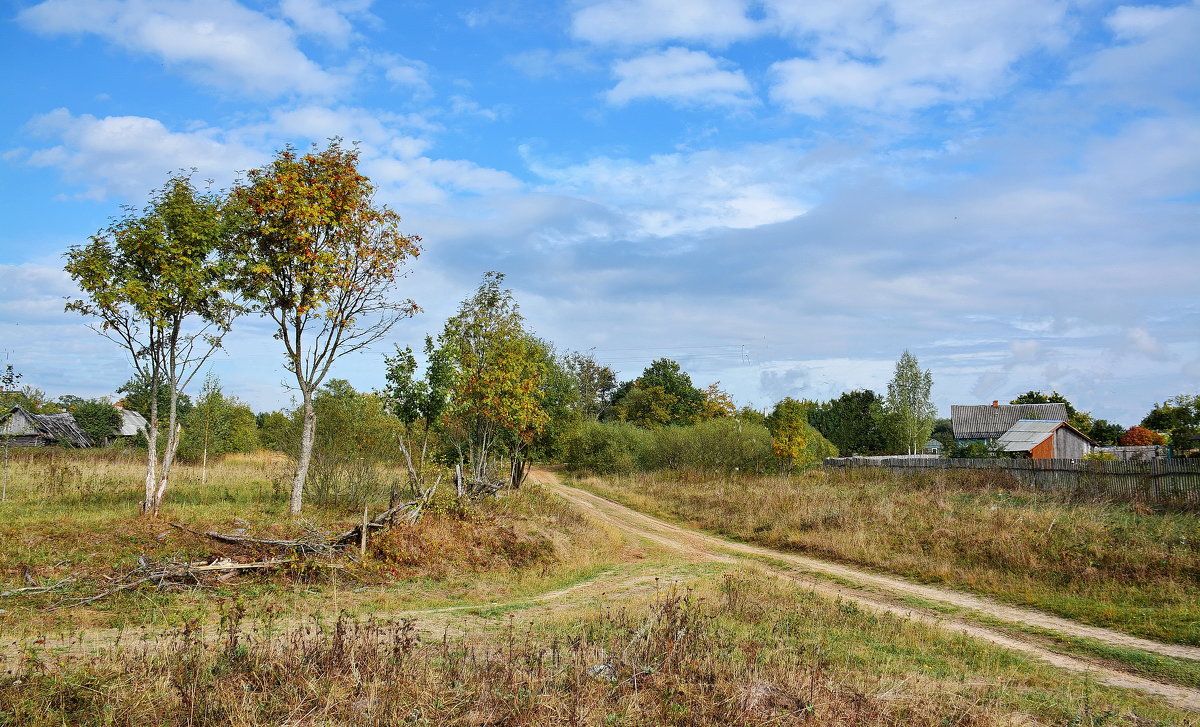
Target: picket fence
column 1164, row 481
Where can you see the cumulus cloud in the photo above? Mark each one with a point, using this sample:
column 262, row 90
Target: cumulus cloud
column 219, row 42
column 900, row 55
column 124, row 156
column 682, row 77
column 636, row 22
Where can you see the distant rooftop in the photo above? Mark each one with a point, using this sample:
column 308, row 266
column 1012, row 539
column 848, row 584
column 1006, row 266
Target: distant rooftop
column 986, row 421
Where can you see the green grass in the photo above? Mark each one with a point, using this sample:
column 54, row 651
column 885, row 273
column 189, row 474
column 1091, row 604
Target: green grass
column 1114, row 565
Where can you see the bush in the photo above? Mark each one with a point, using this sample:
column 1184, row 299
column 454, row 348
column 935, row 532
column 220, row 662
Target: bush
column 604, row 447
column 354, row 447
column 717, row 445
column 723, row 444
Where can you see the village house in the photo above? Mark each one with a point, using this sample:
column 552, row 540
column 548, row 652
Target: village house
column 983, row 423
column 132, row 424
column 1037, row 431
column 21, row 428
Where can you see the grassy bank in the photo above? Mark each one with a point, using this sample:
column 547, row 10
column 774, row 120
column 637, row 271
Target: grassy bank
column 74, row 515
column 742, row 649
column 1121, row 566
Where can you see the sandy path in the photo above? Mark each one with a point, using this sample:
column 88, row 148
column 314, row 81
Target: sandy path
column 884, row 590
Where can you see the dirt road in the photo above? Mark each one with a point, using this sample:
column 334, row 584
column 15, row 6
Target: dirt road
column 883, row 594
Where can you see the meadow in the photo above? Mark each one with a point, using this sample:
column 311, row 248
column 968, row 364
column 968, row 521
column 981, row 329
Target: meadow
column 520, row 610
column 1123, row 566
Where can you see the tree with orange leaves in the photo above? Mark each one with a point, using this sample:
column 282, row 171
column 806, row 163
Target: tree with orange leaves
column 319, row 257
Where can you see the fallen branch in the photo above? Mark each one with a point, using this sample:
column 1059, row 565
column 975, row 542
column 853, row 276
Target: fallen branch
column 313, row 543
column 167, row 574
column 31, row 590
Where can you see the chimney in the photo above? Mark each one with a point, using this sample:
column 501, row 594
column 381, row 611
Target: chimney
column 995, row 403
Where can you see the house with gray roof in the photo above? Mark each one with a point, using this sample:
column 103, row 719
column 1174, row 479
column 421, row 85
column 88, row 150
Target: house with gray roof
column 983, row 423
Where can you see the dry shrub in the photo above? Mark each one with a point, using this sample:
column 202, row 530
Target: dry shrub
column 446, row 543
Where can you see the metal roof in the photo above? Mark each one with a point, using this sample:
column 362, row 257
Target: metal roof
column 989, row 422
column 132, row 422
column 1027, row 434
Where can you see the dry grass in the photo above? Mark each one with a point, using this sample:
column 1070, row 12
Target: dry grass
column 74, row 514
column 1122, row 566
column 745, row 650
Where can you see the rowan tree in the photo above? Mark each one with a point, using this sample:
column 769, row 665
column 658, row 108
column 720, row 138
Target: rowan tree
column 717, row 402
column 319, row 257
column 158, row 283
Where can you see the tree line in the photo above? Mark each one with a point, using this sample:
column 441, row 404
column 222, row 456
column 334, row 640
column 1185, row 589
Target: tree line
column 303, row 243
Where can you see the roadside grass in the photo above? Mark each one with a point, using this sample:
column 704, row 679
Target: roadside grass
column 744, row 649
column 74, row 514
column 1122, row 566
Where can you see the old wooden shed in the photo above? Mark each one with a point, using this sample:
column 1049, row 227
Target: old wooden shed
column 21, row 428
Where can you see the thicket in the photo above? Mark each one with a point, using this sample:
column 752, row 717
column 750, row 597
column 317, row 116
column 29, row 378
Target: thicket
column 723, row 444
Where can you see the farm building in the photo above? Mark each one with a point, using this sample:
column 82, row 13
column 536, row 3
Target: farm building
column 1045, row 439
column 132, row 423
column 21, row 428
column 984, row 423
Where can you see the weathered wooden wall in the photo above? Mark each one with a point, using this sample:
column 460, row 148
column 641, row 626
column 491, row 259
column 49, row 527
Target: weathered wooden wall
column 1168, row 481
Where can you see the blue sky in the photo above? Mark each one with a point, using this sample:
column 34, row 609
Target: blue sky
column 781, row 195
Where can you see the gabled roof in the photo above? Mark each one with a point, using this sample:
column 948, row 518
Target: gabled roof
column 132, row 422
column 1027, row 434
column 989, row 422
column 60, row 427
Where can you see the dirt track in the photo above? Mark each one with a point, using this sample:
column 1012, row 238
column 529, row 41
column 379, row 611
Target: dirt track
column 883, row 593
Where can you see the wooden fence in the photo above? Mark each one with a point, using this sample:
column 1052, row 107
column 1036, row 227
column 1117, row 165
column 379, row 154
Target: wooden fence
column 1166, row 481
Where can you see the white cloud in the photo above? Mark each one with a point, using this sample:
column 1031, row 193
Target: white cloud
column 126, row 156
column 324, row 19
column 900, row 55
column 688, row 193
column 543, row 63
column 220, row 42
column 1141, row 341
column 1154, row 60
column 636, row 22
column 680, row 76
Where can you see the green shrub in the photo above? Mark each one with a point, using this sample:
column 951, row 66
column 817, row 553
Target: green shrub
column 604, row 447
column 723, row 444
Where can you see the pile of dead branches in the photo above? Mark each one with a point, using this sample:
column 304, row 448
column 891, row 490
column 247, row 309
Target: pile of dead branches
column 313, row 547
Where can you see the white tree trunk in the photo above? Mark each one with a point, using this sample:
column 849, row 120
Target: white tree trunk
column 307, row 433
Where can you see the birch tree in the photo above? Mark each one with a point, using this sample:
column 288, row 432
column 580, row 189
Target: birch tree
column 157, row 284
column 319, row 257
column 909, row 403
